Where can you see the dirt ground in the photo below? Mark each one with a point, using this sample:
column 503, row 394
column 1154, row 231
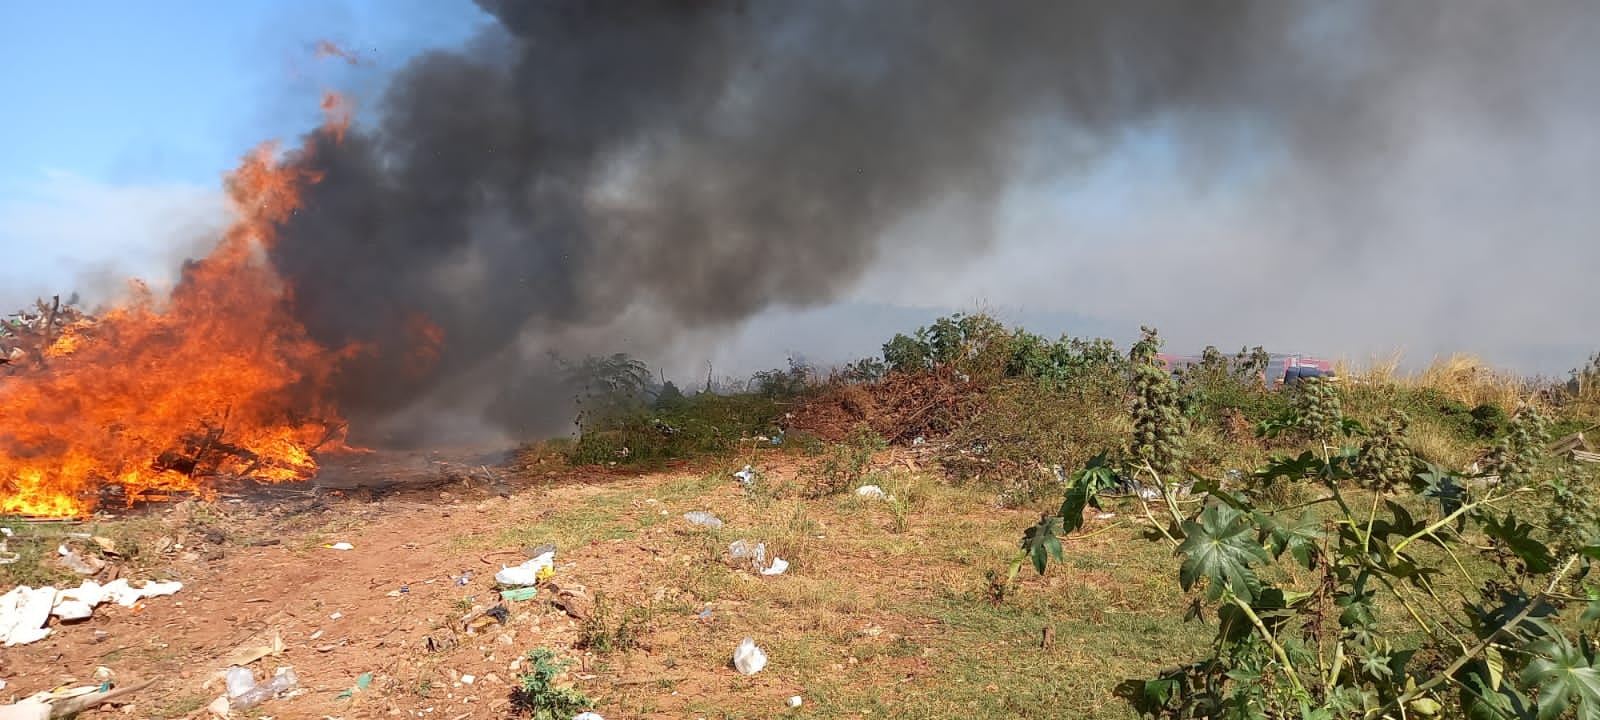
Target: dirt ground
column 883, row 611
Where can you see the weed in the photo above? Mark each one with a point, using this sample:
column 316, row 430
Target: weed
column 1347, row 645
column 843, row 466
column 537, row 696
column 604, row 632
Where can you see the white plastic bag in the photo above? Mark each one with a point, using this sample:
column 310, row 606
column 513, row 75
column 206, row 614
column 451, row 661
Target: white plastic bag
column 703, row 518
column 526, row 573
column 749, row 659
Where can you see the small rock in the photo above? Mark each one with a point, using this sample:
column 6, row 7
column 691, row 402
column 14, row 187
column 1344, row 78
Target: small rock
column 215, row 537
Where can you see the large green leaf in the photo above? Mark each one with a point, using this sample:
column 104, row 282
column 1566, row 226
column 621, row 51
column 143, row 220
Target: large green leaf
column 1518, row 538
column 1565, row 675
column 1299, row 539
column 1041, row 543
column 1083, row 490
column 1220, row 546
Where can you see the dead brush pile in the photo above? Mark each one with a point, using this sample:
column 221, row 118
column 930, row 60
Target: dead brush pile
column 900, row 407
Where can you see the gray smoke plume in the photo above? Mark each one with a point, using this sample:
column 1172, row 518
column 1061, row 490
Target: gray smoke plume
column 641, row 175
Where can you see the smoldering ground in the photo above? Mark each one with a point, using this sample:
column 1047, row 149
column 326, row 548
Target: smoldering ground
column 606, row 175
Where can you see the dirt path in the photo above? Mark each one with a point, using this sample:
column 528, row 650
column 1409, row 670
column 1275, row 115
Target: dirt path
column 879, row 612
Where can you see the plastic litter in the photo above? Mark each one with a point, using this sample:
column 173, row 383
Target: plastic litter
column 283, row 683
column 6, row 556
column 362, row 683
column 870, row 491
column 757, row 555
column 741, row 550
column 795, row 701
column 587, row 716
column 749, row 659
column 522, row 593
column 340, row 546
column 77, row 563
column 240, row 680
column 527, row 573
column 1104, row 516
column 24, row 611
column 703, row 518
column 747, row 475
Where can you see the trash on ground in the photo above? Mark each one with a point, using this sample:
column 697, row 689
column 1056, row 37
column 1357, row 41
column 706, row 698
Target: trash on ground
column 587, row 716
column 239, row 681
column 703, row 518
column 757, row 555
column 705, row 615
column 26, row 710
column 247, row 654
column 78, row 563
column 340, row 546
column 747, row 475
column 1105, row 516
column 497, row 615
column 871, row 491
column 919, row 440
column 244, row 692
column 518, row 594
column 573, row 598
column 362, row 683
column 795, row 701
column 68, row 702
column 531, row 572
column 25, row 611
column 749, row 659
column 464, row 578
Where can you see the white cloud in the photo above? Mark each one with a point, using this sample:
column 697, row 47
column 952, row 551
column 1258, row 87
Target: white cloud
column 65, row 233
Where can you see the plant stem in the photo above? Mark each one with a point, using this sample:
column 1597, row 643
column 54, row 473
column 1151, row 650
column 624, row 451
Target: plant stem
column 1446, row 520
column 1283, row 656
column 1482, row 645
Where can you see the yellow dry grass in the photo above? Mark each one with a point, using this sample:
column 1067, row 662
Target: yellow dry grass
column 1463, row 377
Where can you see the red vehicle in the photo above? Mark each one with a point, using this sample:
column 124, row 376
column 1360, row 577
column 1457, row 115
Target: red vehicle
column 1282, row 370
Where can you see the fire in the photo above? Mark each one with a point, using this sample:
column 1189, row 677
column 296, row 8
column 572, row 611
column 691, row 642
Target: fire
column 218, row 380
column 328, row 49
column 336, row 112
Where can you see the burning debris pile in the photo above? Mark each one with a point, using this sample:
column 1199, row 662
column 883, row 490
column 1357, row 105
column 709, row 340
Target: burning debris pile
column 51, row 330
column 154, row 395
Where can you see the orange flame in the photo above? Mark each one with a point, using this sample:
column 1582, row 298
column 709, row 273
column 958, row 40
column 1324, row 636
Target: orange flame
column 337, row 111
column 328, row 49
column 218, row 380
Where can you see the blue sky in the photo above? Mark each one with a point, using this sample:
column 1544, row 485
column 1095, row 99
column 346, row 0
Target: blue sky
column 120, row 119
column 169, row 91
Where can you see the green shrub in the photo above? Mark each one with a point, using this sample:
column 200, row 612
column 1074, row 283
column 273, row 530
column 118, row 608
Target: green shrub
column 536, row 695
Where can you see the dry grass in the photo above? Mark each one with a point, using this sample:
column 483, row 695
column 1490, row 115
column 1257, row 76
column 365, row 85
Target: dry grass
column 1462, row 377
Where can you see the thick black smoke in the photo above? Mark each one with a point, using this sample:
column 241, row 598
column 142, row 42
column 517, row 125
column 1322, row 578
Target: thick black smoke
column 626, row 173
